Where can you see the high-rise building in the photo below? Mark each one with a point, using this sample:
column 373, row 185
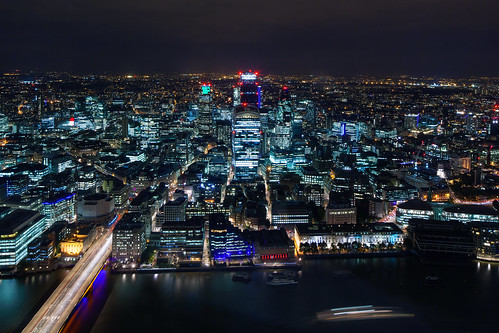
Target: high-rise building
column 86, row 178
column 124, row 127
column 337, row 214
column 223, row 129
column 247, row 92
column 310, row 112
column 246, row 137
column 470, row 213
column 149, row 130
column 290, row 213
column 246, row 127
column 183, row 147
column 205, row 110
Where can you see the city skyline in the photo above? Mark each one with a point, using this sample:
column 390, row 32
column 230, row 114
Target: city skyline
column 249, row 166
column 244, row 178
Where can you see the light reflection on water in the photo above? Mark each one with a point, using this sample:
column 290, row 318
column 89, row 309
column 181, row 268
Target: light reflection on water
column 193, row 301
column 19, row 298
column 213, row 298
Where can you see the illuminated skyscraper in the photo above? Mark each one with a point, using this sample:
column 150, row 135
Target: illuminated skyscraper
column 246, row 128
column 282, row 132
column 246, row 137
column 247, row 92
column 205, row 112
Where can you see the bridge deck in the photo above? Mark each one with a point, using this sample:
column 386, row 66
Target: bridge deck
column 56, row 310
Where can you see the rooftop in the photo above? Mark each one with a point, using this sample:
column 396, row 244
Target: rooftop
column 270, row 238
column 16, row 220
column 96, row 196
column 471, row 209
column 317, row 229
column 177, row 202
column 417, row 204
column 287, row 206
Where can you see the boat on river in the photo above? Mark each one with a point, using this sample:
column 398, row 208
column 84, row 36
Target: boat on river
column 281, row 278
column 241, row 277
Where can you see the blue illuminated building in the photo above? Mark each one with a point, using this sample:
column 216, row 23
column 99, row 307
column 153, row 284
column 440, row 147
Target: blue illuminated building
column 60, row 207
column 226, row 242
column 40, row 252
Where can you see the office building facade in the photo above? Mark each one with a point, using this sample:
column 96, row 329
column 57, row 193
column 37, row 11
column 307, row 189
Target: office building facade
column 246, row 136
column 18, row 228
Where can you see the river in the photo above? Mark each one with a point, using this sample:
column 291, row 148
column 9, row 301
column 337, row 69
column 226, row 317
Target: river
column 211, row 301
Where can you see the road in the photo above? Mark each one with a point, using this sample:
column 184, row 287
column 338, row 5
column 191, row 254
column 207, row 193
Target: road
column 56, row 310
column 109, row 173
column 456, row 200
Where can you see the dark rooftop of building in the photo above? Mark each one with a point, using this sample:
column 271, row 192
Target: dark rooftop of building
column 416, row 204
column 269, row 238
column 471, row 209
column 218, row 221
column 195, row 222
column 177, row 202
column 15, row 221
column 59, row 196
column 95, row 196
column 437, row 226
column 143, row 196
column 285, row 206
column 129, row 221
column 309, row 170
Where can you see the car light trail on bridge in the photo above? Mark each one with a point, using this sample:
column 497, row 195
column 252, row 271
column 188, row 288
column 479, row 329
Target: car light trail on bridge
column 56, row 310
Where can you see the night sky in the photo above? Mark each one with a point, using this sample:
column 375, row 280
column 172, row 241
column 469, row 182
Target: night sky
column 337, row 37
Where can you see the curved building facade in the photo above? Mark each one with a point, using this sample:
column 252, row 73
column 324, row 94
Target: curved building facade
column 96, row 208
column 470, row 213
column 413, row 209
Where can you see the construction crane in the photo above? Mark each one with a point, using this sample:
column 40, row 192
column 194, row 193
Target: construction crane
column 417, row 155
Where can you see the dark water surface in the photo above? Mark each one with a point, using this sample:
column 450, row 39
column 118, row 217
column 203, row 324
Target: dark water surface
column 20, row 298
column 194, row 301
